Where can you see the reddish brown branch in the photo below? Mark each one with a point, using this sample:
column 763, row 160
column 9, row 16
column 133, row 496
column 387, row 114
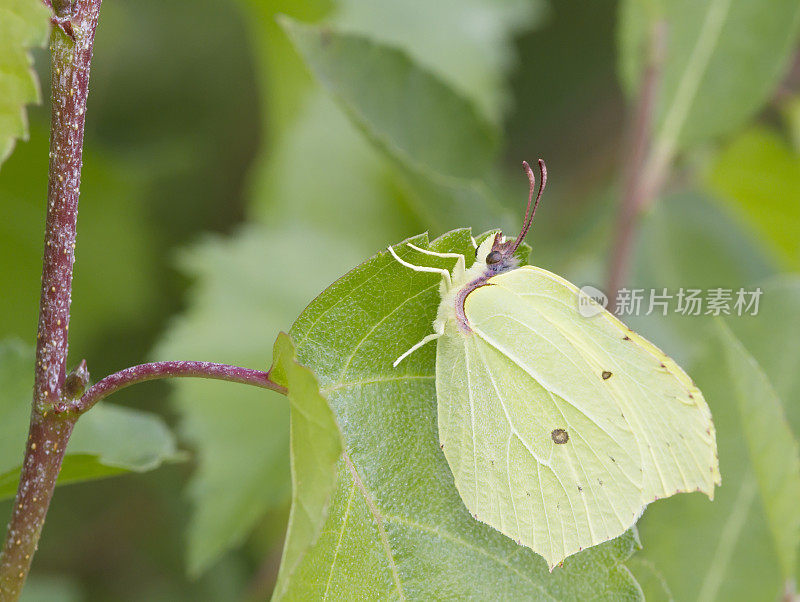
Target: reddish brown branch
column 180, row 369
column 640, row 184
column 49, row 434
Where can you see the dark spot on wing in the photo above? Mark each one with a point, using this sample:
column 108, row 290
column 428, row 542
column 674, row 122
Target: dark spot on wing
column 606, row 375
column 626, row 338
column 560, row 436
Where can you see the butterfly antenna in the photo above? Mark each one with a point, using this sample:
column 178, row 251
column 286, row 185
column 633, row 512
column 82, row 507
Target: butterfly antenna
column 528, row 220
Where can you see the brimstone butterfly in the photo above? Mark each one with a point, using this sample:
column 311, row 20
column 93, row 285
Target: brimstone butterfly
column 559, row 429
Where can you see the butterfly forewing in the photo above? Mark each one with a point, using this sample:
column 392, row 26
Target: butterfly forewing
column 559, row 429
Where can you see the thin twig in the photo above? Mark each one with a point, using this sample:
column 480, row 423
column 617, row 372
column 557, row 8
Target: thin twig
column 49, row 433
column 158, row 370
column 643, row 176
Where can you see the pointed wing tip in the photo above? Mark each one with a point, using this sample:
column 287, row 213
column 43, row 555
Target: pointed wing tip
column 558, row 562
column 552, row 563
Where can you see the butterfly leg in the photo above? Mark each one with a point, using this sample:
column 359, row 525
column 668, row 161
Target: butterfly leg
column 458, row 270
column 434, row 253
column 425, row 340
column 421, row 268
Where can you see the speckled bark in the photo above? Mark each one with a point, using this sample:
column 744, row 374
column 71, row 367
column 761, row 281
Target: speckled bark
column 71, row 51
column 47, row 442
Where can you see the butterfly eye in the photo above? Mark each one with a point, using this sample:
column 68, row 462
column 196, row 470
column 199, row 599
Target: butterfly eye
column 493, row 257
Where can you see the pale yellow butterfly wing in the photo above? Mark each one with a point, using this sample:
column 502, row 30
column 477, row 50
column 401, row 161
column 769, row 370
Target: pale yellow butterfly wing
column 638, row 427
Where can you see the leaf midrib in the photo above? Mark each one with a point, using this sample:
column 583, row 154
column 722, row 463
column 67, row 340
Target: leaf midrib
column 339, row 541
column 387, row 548
column 728, row 539
column 380, row 518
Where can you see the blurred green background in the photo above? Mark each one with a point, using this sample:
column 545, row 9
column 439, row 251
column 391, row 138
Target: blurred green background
column 224, row 186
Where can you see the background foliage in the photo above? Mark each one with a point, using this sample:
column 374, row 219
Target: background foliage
column 226, row 184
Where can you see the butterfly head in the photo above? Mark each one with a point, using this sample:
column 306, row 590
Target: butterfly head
column 497, row 252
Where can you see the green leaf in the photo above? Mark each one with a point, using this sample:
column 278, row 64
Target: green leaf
column 401, row 106
column 247, row 289
column 349, row 179
column 474, row 60
column 686, row 241
column 758, row 175
column 772, row 337
column 349, row 174
column 774, row 452
column 727, row 548
column 722, row 550
column 652, row 582
column 316, row 446
column 108, row 440
column 23, row 24
column 401, row 112
column 701, row 96
column 396, row 524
